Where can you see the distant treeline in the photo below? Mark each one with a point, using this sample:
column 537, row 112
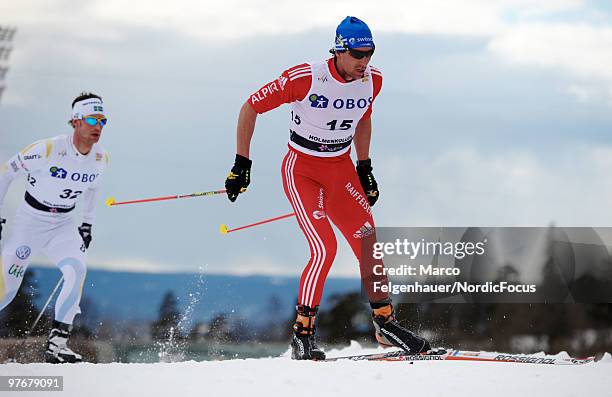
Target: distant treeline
column 579, row 328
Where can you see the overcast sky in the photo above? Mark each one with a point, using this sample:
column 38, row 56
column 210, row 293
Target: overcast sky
column 493, row 113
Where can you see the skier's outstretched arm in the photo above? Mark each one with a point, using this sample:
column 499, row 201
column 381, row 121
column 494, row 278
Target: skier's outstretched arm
column 293, row 84
column 363, row 135
column 245, row 129
column 240, row 175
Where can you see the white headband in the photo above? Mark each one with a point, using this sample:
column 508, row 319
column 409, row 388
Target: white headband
column 87, row 107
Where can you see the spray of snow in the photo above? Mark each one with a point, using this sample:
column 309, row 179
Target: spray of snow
column 173, row 349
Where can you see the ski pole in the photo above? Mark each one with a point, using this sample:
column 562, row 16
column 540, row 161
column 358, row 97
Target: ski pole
column 45, row 306
column 224, row 229
column 110, row 202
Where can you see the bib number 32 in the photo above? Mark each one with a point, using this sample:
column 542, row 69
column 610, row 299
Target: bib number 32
column 70, row 194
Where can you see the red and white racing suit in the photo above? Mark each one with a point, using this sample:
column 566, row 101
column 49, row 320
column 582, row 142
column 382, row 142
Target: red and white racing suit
column 319, row 177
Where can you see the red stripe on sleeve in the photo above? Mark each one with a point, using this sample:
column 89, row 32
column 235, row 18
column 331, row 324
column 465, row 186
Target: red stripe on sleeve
column 292, row 85
column 377, row 80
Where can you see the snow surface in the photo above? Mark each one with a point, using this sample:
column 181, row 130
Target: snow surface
column 282, row 376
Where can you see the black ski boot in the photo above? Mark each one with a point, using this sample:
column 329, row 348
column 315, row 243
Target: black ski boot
column 57, row 350
column 389, row 332
column 303, row 344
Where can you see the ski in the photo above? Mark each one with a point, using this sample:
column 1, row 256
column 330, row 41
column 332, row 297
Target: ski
column 396, row 355
column 464, row 355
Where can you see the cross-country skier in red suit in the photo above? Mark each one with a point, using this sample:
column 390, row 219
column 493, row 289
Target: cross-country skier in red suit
column 331, row 105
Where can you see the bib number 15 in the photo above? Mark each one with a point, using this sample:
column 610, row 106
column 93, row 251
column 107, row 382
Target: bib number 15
column 344, row 124
column 295, row 118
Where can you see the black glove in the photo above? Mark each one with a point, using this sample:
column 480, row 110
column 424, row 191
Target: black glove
column 238, row 178
column 1, row 222
column 85, row 232
column 368, row 183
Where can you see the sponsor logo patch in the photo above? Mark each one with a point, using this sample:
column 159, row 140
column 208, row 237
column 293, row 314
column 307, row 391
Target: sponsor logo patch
column 318, row 101
column 16, row 270
column 319, row 214
column 57, row 172
column 419, row 357
column 364, row 231
column 83, row 177
column 358, row 197
column 352, row 103
column 325, row 148
column 23, row 252
column 263, row 92
column 524, row 359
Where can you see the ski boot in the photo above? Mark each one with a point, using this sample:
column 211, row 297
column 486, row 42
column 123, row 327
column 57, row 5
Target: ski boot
column 303, row 344
column 389, row 332
column 57, row 350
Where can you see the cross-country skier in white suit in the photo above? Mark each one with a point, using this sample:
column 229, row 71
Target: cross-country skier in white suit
column 59, row 171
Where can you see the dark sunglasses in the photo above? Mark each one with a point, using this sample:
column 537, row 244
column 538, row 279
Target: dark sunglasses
column 360, row 54
column 92, row 121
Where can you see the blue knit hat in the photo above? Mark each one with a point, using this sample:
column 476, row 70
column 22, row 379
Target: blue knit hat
column 353, row 33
